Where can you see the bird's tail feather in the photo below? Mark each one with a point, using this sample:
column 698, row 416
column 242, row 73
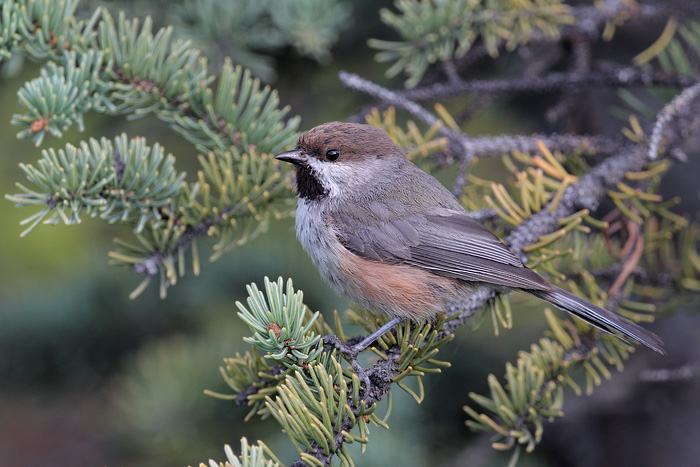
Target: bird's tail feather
column 600, row 317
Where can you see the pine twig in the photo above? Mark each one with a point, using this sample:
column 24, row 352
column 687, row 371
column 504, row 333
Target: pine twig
column 465, row 148
column 664, row 117
column 552, row 82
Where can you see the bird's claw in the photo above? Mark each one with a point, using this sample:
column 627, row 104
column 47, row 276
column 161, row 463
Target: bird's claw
column 350, row 352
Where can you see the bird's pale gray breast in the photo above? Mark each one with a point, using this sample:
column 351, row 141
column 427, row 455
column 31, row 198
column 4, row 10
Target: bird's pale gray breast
column 319, row 240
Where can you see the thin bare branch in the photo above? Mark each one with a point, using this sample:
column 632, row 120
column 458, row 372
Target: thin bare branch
column 553, row 82
column 681, row 101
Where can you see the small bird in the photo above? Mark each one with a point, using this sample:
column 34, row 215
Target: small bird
column 393, row 239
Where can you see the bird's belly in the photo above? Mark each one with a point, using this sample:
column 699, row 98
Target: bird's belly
column 396, row 289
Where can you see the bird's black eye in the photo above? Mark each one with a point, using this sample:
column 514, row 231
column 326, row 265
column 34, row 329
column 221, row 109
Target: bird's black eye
column 332, row 155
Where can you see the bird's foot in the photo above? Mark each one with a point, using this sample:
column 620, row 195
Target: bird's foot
column 350, row 352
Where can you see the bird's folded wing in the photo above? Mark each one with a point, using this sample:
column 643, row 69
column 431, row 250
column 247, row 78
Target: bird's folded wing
column 447, row 242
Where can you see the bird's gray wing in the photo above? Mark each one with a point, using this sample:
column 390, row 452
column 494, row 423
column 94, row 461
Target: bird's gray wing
column 447, row 242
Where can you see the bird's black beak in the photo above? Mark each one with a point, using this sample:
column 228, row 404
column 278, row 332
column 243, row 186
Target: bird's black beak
column 296, row 157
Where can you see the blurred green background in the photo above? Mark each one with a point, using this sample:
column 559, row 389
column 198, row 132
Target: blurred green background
column 89, row 377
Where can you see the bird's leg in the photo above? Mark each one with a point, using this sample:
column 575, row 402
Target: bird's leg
column 367, row 341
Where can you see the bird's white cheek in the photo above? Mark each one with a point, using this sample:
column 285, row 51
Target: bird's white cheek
column 331, row 177
column 344, row 179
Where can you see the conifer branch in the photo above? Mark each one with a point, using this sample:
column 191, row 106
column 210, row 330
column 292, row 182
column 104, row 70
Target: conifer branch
column 681, row 101
column 434, row 33
column 464, row 147
column 91, row 179
column 586, row 193
column 552, row 82
column 120, row 67
column 149, row 74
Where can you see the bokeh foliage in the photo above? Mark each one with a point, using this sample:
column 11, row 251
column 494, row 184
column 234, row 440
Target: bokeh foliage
column 122, row 67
